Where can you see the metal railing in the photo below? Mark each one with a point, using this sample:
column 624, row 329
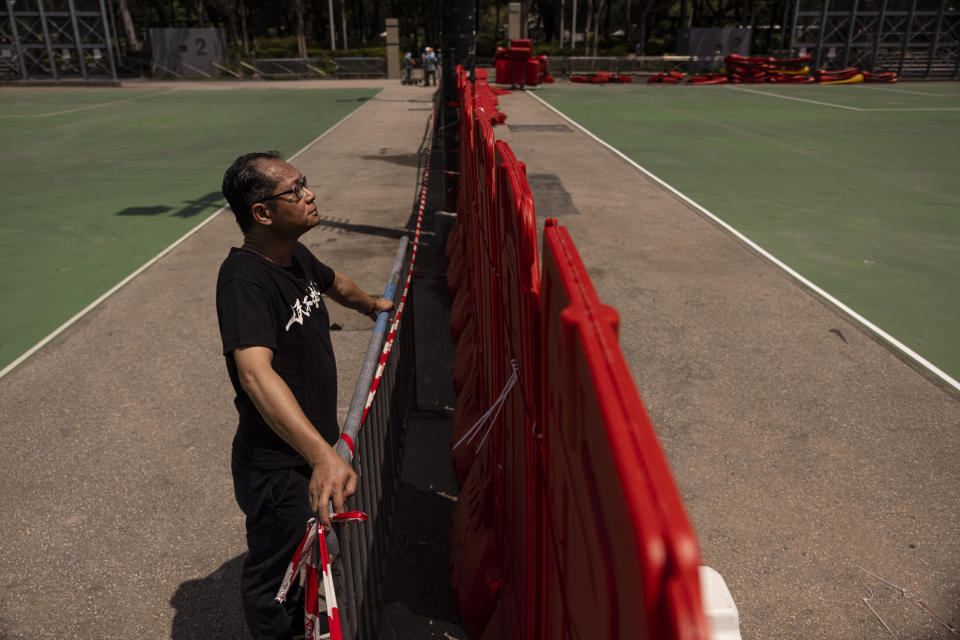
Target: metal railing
column 378, row 434
column 301, row 68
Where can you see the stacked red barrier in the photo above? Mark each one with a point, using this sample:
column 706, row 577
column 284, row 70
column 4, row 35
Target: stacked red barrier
column 539, row 375
column 882, row 76
column 670, row 77
column 600, row 77
column 851, row 75
column 747, row 70
column 515, row 65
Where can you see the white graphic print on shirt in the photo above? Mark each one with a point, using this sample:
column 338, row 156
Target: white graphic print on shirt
column 303, row 307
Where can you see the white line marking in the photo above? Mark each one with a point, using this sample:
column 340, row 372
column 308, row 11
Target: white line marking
column 10, row 367
column 915, row 93
column 776, row 95
column 763, row 252
column 91, row 106
column 916, row 109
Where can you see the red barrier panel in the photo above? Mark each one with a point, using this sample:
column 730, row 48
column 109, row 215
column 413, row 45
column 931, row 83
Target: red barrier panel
column 517, row 443
column 620, row 559
column 456, row 265
column 489, row 364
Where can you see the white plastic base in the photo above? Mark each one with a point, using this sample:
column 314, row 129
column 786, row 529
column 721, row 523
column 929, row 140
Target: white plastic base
column 718, row 606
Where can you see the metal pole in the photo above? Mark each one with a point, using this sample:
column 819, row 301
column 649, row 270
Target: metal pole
column 113, row 26
column 936, row 38
column 16, row 39
column 853, row 22
column 906, row 37
column 956, row 68
column 563, row 5
column 333, row 27
column 77, row 41
column 46, row 39
column 106, row 35
column 783, row 27
column 823, row 26
column 876, row 43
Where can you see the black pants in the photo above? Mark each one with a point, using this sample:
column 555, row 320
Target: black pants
column 276, row 505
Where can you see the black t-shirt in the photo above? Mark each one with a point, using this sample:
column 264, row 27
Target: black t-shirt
column 262, row 304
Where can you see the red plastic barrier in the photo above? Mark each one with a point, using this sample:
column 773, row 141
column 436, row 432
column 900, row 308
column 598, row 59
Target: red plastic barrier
column 620, row 559
column 517, row 441
column 567, row 523
column 501, row 71
column 472, row 402
column 885, row 76
column 458, row 267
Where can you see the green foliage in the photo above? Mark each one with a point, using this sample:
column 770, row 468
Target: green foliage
column 286, row 47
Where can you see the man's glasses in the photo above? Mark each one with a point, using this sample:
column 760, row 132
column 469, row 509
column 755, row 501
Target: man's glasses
column 297, row 191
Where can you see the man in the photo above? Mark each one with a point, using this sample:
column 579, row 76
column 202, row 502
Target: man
column 276, row 340
column 407, row 67
column 429, row 67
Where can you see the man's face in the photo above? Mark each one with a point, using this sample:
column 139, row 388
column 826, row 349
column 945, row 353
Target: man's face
column 288, row 214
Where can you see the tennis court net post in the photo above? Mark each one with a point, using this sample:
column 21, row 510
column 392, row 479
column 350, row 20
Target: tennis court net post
column 377, row 433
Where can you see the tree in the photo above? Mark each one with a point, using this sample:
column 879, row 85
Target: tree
column 301, row 34
column 132, row 43
column 596, row 26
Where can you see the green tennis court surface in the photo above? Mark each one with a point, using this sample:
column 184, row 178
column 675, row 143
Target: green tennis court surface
column 854, row 187
column 97, row 182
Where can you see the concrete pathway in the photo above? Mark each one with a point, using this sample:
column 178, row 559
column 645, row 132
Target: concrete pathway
column 803, row 448
column 118, row 514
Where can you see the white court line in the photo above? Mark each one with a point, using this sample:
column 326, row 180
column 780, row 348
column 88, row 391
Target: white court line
column 776, row 95
column 763, row 252
column 10, row 367
column 916, row 109
column 92, row 106
column 915, row 93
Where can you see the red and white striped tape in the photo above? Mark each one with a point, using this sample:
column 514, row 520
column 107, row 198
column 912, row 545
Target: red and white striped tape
column 312, row 554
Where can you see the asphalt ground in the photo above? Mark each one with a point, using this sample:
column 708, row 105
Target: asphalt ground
column 118, row 511
column 806, row 451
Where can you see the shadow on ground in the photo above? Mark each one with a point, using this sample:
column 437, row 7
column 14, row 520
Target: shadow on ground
column 210, row 607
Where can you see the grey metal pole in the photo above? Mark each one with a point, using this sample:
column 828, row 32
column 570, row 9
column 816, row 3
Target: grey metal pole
column 106, row 35
column 333, row 27
column 77, row 41
column 823, row 26
column 956, row 68
column 906, row 37
column 853, row 22
column 876, row 43
column 16, row 40
column 113, row 26
column 46, row 39
column 936, row 38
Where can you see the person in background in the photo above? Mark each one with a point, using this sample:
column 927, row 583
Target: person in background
column 429, row 67
column 276, row 341
column 407, row 67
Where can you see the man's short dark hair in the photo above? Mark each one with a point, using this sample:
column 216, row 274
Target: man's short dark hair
column 244, row 184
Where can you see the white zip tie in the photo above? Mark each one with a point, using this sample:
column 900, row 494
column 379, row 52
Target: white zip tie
column 490, row 415
column 917, row 601
column 874, row 612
